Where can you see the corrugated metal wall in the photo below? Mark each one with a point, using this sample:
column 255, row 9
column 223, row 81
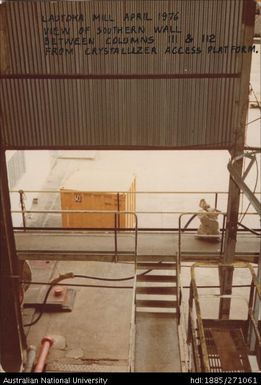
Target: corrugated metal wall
column 26, row 34
column 189, row 99
column 118, row 112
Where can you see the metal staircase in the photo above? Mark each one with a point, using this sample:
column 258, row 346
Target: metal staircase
column 156, row 288
column 154, row 346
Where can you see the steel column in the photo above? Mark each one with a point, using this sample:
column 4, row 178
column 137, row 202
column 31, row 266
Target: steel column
column 239, row 121
column 12, row 339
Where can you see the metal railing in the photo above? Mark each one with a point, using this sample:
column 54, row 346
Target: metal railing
column 192, row 214
column 213, row 196
column 196, row 333
column 116, row 229
column 132, row 339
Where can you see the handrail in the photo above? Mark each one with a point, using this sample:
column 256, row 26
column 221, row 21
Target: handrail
column 180, row 227
column 194, row 214
column 23, row 210
column 131, row 362
column 116, row 228
column 202, row 338
column 238, row 223
column 111, row 212
column 129, row 192
column 239, row 265
column 193, row 338
column 195, row 296
column 94, row 211
column 255, row 326
column 178, row 284
column 182, row 331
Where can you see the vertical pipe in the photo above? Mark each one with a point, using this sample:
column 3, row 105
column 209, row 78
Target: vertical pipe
column 46, row 344
column 31, row 353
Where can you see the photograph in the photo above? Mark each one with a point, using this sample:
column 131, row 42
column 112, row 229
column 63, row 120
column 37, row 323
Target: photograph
column 130, row 194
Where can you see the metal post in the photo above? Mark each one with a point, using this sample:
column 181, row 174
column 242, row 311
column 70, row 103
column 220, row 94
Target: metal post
column 115, row 237
column 190, row 309
column 256, row 305
column 12, row 338
column 22, row 204
column 136, row 241
column 178, row 286
column 216, row 200
column 222, row 235
column 201, row 333
column 239, row 122
column 179, row 240
column 118, row 209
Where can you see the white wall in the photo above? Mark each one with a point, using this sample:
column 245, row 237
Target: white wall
column 37, row 165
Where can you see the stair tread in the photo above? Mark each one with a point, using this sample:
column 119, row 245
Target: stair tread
column 155, row 314
column 156, row 303
column 156, row 258
column 156, row 266
column 156, row 278
column 156, row 290
column 171, row 312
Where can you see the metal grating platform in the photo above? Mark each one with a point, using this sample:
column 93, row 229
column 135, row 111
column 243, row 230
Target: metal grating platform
column 227, row 350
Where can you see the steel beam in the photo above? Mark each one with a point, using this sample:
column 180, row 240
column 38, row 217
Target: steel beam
column 239, row 122
column 243, row 186
column 12, row 339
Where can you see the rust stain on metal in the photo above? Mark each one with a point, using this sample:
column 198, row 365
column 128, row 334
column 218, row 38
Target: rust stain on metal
column 249, row 7
column 4, row 46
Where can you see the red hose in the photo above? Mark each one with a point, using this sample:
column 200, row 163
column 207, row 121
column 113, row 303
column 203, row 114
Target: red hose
column 46, row 344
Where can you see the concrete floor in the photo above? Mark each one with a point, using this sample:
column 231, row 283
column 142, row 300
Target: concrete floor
column 95, row 335
column 157, row 346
